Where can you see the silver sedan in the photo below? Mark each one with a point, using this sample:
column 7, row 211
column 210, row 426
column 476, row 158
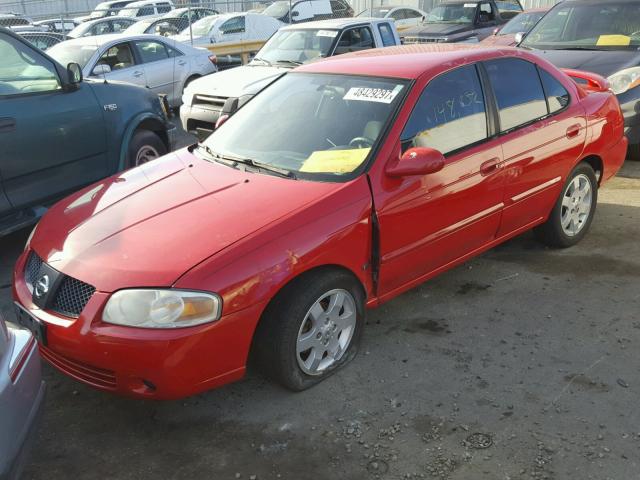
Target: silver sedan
column 21, row 397
column 152, row 61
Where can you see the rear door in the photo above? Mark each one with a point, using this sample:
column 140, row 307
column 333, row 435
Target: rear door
column 160, row 67
column 427, row 222
column 52, row 141
column 542, row 136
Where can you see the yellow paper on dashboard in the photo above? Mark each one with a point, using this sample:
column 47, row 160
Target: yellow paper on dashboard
column 335, row 161
column 613, row 41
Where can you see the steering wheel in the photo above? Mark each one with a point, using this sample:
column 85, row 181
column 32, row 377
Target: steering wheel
column 361, row 142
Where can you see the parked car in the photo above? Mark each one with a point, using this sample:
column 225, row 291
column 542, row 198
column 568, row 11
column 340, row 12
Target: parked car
column 84, row 130
column 311, row 203
column 158, row 63
column 43, row 40
column 517, row 26
column 462, row 21
column 108, row 9
column 58, row 25
column 101, row 26
column 308, row 10
column 22, row 393
column 20, row 23
column 404, row 17
column 172, row 23
column 230, row 28
column 601, row 37
column 147, row 9
column 209, row 98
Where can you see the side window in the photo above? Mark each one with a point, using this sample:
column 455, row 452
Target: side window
column 233, row 25
column 486, row 13
column 120, row 25
column 518, row 91
column 399, row 14
column 508, row 9
column 101, row 28
column 117, row 57
column 173, row 52
column 557, row 96
column 151, row 51
column 23, row 70
column 450, row 113
column 164, row 8
column 387, row 34
column 337, row 7
column 354, row 39
column 413, row 13
column 145, row 11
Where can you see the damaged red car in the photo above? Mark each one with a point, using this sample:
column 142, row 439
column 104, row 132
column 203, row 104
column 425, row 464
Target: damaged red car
column 335, row 189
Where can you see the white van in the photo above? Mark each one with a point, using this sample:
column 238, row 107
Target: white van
column 147, row 9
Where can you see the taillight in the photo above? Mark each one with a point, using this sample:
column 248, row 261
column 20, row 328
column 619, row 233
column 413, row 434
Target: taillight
column 24, row 343
column 213, row 59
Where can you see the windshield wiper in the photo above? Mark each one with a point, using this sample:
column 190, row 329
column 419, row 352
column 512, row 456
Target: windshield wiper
column 263, row 60
column 232, row 161
column 290, row 62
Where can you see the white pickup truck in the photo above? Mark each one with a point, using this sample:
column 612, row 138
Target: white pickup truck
column 206, row 99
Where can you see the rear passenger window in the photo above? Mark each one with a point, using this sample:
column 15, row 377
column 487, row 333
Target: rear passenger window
column 387, row 34
column 518, row 91
column 557, row 95
column 450, row 113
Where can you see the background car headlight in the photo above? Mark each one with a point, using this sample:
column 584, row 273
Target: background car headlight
column 625, row 80
column 146, row 308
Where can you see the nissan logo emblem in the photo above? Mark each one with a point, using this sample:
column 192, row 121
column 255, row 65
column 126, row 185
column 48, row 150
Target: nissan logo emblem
column 42, row 286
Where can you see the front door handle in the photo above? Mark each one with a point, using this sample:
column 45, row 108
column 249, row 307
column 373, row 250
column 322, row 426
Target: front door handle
column 137, row 74
column 7, row 124
column 573, row 131
column 182, row 62
column 490, row 166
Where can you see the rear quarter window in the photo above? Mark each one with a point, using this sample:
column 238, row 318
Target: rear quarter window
column 557, row 96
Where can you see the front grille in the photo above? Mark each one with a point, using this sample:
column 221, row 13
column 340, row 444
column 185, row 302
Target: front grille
column 98, row 377
column 409, row 40
column 209, row 101
column 72, row 294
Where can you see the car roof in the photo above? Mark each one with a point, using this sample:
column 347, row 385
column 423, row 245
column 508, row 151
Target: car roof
column 407, row 61
column 333, row 23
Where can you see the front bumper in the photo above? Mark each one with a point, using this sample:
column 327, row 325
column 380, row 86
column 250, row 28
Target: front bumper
column 199, row 120
column 147, row 363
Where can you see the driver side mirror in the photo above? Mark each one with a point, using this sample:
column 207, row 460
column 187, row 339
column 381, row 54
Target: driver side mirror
column 417, row 161
column 74, row 74
column 101, row 69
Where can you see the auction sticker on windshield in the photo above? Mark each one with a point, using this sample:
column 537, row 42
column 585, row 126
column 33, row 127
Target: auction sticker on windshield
column 326, row 33
column 366, row 94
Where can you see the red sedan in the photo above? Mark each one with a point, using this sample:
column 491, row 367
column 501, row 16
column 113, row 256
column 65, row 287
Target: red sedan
column 337, row 188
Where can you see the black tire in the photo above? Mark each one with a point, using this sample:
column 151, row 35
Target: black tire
column 633, row 152
column 274, row 347
column 144, row 140
column 552, row 232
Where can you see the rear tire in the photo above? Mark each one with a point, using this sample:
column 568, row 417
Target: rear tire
column 573, row 212
column 311, row 329
column 144, row 147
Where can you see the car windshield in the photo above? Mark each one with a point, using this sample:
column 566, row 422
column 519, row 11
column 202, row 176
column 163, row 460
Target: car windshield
column 607, row 26
column 452, row 13
column 297, row 45
column 317, row 126
column 64, row 53
column 141, row 26
column 202, row 27
column 277, row 9
column 521, row 24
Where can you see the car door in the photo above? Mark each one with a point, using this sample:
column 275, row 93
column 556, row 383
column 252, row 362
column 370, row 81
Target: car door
column 428, row 222
column 124, row 64
column 159, row 67
column 542, row 136
column 52, row 140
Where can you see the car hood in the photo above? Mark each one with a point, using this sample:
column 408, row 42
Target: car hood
column 603, row 63
column 247, row 79
column 150, row 225
column 437, row 29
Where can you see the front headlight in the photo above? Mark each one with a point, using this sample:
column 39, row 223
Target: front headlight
column 625, row 80
column 146, row 308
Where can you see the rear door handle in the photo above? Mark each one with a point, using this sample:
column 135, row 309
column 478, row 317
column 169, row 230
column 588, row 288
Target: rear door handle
column 7, row 124
column 490, row 166
column 573, row 131
column 182, row 62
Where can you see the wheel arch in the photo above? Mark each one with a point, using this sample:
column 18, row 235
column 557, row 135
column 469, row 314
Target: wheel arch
column 597, row 164
column 142, row 122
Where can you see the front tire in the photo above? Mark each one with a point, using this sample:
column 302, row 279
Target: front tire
column 144, row 147
column 311, row 329
column 573, row 212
